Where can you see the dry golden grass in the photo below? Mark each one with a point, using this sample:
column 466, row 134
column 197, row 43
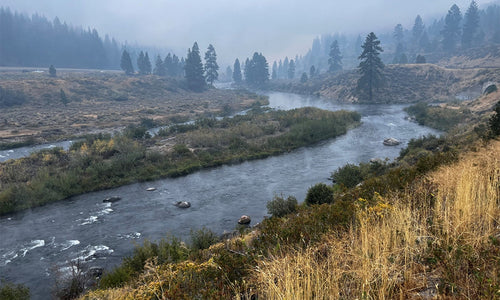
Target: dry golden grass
column 382, row 257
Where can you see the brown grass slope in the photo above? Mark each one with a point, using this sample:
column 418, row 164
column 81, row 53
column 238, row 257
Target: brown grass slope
column 104, row 102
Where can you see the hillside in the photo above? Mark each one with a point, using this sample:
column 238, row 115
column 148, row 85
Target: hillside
column 408, row 83
column 36, row 106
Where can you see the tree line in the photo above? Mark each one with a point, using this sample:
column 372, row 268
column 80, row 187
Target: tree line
column 36, row 41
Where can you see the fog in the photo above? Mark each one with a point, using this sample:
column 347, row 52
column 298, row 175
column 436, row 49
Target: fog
column 236, row 28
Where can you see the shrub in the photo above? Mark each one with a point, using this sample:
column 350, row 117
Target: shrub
column 348, row 175
column 9, row 291
column 494, row 121
column 203, row 239
column 279, row 206
column 319, row 193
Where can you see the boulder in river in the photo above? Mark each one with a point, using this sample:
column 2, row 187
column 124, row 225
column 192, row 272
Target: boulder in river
column 112, row 199
column 96, row 271
column 391, row 142
column 244, row 220
column 151, row 189
column 183, row 204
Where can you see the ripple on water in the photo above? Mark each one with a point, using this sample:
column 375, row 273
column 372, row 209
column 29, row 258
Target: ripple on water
column 13, row 254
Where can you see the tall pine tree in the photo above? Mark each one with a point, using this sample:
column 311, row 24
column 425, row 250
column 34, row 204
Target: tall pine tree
column 370, row 68
column 237, row 72
column 451, row 31
column 471, row 25
column 194, row 69
column 335, row 58
column 291, row 69
column 211, row 66
column 159, row 67
column 126, row 63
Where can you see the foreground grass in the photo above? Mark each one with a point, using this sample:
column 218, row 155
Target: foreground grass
column 437, row 238
column 103, row 162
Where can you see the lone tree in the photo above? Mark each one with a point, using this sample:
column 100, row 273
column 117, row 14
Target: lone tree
column 471, row 25
column 237, row 72
column 371, row 67
column 194, row 69
column 126, row 63
column 52, row 71
column 335, row 60
column 451, row 31
column 211, row 66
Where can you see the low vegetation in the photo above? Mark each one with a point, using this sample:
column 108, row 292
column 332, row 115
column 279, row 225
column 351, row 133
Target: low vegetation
column 102, row 161
column 439, row 117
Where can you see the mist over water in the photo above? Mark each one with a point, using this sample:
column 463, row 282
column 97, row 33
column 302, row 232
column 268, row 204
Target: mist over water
column 36, row 242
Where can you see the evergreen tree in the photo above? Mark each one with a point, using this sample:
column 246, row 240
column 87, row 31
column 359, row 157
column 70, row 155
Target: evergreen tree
column 159, row 67
column 141, row 65
column 420, row 59
column 52, row 71
column 194, row 69
column 229, row 73
column 211, row 66
column 304, row 78
column 147, row 64
column 335, row 60
column 371, row 67
column 312, row 72
column 274, row 75
column 471, row 25
column 168, row 65
column 451, row 31
column 126, row 63
column 397, row 55
column 291, row 70
column 286, row 63
column 237, row 72
column 398, row 34
column 280, row 69
column 417, row 31
column 176, row 66
column 257, row 70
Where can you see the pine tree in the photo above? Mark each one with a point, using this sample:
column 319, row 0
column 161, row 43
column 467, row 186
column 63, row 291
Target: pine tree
column 237, row 72
column 291, row 70
column 335, row 60
column 312, row 72
column 176, row 66
column 211, row 66
column 257, row 70
column 147, row 64
column 398, row 34
column 159, row 67
column 303, row 78
column 229, row 74
column 471, row 25
column 194, row 69
column 126, row 63
column 451, row 31
column 141, row 64
column 417, row 31
column 274, row 74
column 371, row 67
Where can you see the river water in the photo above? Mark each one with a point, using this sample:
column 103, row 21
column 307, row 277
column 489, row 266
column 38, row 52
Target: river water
column 35, row 243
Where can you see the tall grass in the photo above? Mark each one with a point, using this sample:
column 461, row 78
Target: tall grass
column 440, row 239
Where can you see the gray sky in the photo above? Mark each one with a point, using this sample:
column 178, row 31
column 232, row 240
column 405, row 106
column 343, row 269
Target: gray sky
column 236, row 28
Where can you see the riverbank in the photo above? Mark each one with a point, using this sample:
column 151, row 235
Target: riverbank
column 102, row 161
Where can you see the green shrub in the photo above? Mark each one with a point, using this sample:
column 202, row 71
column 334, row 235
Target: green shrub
column 494, row 121
column 348, row 175
column 279, row 206
column 9, row 291
column 203, row 239
column 318, row 194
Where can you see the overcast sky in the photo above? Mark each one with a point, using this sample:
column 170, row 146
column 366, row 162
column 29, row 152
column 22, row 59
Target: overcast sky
column 236, row 28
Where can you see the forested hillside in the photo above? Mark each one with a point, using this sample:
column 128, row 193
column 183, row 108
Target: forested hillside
column 37, row 42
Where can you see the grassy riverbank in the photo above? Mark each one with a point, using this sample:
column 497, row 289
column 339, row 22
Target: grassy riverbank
column 103, row 162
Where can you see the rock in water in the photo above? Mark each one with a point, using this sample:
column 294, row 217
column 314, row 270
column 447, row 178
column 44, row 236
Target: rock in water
column 391, row 142
column 112, row 199
column 151, row 189
column 244, row 220
column 183, row 204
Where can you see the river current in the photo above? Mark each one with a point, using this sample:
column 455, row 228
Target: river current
column 36, row 243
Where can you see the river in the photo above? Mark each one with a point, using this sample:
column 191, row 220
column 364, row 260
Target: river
column 36, row 242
